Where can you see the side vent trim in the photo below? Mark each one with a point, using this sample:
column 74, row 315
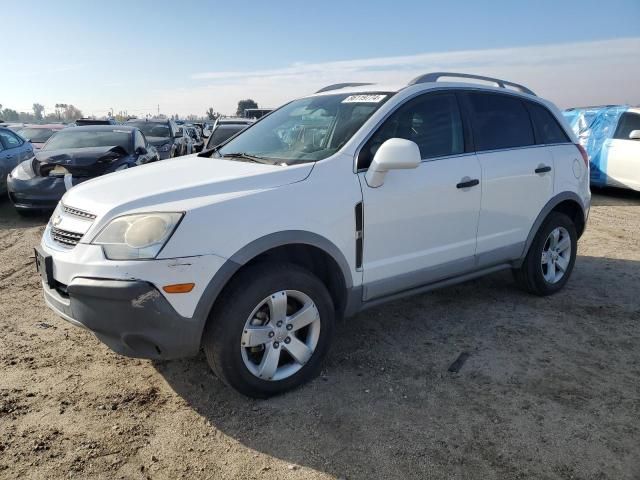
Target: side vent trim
column 359, row 234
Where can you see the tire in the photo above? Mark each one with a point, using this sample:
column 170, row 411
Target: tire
column 535, row 276
column 233, row 318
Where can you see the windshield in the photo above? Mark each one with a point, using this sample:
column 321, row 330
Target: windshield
column 74, row 138
column 223, row 133
column 152, row 129
column 308, row 129
column 36, row 135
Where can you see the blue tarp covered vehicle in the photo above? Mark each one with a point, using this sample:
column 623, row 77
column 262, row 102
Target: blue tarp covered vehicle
column 595, row 128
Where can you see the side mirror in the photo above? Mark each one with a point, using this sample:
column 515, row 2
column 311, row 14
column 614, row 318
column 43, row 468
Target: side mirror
column 394, row 154
column 634, row 135
column 141, row 151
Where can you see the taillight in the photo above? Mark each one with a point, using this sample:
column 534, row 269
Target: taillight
column 584, row 154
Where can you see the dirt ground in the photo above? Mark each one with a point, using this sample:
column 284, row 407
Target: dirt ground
column 551, row 388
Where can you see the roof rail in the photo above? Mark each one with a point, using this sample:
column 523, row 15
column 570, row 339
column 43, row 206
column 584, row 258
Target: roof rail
column 336, row 86
column 435, row 76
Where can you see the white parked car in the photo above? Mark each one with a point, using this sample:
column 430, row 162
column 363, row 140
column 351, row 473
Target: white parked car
column 335, row 202
column 611, row 137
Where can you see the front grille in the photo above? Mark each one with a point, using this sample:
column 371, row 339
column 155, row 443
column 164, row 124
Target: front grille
column 78, row 213
column 69, row 239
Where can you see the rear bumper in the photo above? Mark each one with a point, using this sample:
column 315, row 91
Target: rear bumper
column 131, row 317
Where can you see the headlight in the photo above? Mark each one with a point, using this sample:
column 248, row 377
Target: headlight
column 139, row 236
column 24, row 171
column 164, row 148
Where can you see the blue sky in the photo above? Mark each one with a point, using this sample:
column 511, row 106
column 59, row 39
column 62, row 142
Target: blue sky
column 189, row 55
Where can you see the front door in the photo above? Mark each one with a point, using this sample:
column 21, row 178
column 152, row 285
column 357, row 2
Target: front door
column 420, row 225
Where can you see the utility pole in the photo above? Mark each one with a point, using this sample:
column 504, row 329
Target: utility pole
column 158, row 109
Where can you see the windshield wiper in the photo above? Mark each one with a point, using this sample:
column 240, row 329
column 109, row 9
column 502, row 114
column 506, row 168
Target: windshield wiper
column 252, row 158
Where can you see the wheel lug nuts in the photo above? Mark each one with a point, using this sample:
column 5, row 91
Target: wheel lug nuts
column 276, row 344
column 287, row 340
column 271, row 334
column 279, row 324
column 289, row 327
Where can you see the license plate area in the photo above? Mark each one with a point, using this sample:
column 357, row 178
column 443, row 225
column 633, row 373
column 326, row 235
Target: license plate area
column 44, row 266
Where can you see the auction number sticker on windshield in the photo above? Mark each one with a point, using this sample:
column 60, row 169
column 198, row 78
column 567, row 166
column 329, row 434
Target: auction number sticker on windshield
column 364, row 99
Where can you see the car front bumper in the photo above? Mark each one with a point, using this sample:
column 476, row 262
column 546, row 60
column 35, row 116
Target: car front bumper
column 130, row 316
column 122, row 302
column 38, row 193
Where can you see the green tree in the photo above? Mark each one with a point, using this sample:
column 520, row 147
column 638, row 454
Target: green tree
column 244, row 104
column 211, row 115
column 38, row 111
column 10, row 115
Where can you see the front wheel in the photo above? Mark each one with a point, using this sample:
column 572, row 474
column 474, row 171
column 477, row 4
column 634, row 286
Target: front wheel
column 549, row 262
column 271, row 329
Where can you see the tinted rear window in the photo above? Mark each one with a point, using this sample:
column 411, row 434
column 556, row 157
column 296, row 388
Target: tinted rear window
column 223, row 133
column 547, row 128
column 499, row 121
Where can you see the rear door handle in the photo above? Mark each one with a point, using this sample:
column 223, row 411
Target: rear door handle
column 467, row 182
column 543, row 169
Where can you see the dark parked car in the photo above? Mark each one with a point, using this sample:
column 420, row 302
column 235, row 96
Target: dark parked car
column 165, row 135
column 72, row 156
column 225, row 128
column 13, row 150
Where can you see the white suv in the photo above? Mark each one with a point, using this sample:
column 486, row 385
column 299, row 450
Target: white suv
column 333, row 203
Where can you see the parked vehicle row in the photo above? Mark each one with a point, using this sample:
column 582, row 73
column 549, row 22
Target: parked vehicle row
column 335, row 202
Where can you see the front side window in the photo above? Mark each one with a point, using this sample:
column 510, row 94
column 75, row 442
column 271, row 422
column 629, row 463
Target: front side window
column 432, row 121
column 9, row 139
column 628, row 123
column 307, row 130
column 547, row 128
column 499, row 121
column 76, row 138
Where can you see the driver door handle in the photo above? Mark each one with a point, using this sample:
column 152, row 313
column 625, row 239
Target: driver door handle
column 543, row 169
column 467, row 183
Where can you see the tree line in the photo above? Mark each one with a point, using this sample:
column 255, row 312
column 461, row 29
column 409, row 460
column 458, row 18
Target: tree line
column 63, row 112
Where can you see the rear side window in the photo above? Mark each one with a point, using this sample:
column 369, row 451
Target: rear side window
column 432, row 121
column 499, row 121
column 547, row 128
column 628, row 123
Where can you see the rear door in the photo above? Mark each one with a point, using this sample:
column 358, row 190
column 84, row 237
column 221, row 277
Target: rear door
column 420, row 225
column 517, row 175
column 623, row 161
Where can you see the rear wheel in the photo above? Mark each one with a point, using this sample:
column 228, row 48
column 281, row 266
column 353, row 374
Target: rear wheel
column 271, row 329
column 549, row 262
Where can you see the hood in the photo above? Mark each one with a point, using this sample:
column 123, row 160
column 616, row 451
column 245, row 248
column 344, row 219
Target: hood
column 179, row 184
column 157, row 141
column 80, row 157
column 79, row 161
